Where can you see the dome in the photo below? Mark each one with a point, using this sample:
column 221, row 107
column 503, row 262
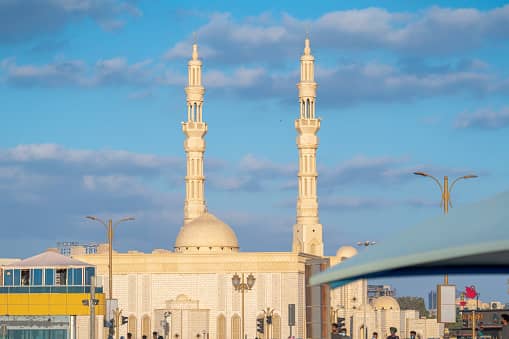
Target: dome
column 386, row 303
column 346, row 252
column 206, row 234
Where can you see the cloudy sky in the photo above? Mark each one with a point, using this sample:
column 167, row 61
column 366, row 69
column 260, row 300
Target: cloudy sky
column 92, row 99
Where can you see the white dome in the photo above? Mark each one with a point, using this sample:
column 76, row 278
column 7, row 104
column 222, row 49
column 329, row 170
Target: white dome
column 206, row 234
column 345, row 252
column 386, row 303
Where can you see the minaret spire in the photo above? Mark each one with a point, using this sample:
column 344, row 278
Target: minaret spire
column 307, row 232
column 194, row 129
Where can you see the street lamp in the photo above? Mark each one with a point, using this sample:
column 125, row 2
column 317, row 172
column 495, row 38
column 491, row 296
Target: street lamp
column 166, row 325
column 110, row 227
column 365, row 243
column 241, row 286
column 445, row 203
column 91, row 302
column 268, row 315
column 445, row 190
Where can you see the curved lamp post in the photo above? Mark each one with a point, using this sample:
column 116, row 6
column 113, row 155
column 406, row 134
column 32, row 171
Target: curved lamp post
column 241, row 286
column 445, row 190
column 110, row 227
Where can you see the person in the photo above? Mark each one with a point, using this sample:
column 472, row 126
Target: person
column 154, row 335
column 129, row 335
column 413, row 335
column 505, row 326
column 144, row 336
column 375, row 335
column 393, row 333
column 335, row 331
column 342, row 333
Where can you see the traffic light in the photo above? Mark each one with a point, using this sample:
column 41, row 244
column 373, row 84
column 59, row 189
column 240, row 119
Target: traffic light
column 111, row 331
column 260, row 325
column 341, row 322
column 125, row 320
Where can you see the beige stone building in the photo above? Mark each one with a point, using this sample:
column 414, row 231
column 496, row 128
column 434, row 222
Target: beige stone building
column 192, row 283
column 188, row 292
column 351, row 303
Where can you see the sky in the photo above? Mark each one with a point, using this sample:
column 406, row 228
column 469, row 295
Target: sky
column 92, row 99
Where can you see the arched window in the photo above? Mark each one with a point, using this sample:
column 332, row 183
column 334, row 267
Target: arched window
column 221, row 327
column 236, row 327
column 276, row 326
column 131, row 326
column 145, row 326
column 308, row 107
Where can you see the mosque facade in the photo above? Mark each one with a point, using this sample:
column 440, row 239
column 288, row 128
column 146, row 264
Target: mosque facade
column 190, row 288
column 205, row 287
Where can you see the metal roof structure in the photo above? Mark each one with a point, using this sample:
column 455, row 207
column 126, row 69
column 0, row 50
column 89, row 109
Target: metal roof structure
column 468, row 240
column 48, row 258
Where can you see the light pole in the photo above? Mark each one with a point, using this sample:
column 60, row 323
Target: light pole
column 91, row 302
column 445, row 190
column 268, row 314
column 110, row 227
column 365, row 243
column 242, row 287
column 166, row 326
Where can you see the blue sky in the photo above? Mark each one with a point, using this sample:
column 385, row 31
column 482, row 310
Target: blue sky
column 92, row 99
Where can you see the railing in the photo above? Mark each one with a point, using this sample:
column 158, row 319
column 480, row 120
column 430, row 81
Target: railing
column 47, row 289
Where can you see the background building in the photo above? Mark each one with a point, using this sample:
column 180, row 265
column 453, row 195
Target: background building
column 375, row 291
column 42, row 297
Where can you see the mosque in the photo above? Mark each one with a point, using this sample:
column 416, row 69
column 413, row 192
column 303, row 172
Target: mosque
column 205, row 287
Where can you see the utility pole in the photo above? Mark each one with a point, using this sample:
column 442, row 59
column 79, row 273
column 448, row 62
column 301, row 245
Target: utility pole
column 91, row 303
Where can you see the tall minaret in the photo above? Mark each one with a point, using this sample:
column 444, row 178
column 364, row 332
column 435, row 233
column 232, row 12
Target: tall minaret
column 307, row 232
column 194, row 129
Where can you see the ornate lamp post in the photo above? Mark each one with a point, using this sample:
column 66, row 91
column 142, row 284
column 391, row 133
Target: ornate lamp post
column 241, row 286
column 445, row 190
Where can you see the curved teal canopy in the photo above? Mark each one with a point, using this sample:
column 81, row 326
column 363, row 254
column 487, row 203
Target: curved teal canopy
column 470, row 239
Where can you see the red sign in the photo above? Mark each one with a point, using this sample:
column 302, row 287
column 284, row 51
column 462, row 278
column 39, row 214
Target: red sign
column 470, row 292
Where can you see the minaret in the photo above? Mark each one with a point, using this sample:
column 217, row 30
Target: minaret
column 194, row 129
column 307, row 232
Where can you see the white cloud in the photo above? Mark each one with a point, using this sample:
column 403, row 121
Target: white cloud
column 435, row 31
column 61, row 73
column 484, row 119
column 22, row 20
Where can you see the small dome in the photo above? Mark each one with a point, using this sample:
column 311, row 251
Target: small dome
column 386, row 303
column 206, row 234
column 346, row 252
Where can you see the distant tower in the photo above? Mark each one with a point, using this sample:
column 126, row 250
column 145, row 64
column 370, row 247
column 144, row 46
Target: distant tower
column 307, row 232
column 194, row 129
